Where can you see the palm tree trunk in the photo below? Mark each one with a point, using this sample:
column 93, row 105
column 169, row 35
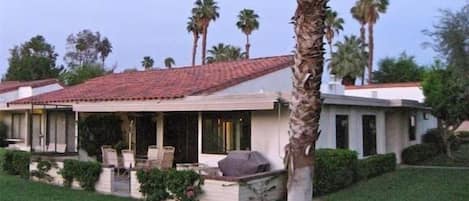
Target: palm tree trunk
column 371, row 49
column 363, row 39
column 194, row 47
column 330, row 55
column 248, row 46
column 204, row 43
column 306, row 98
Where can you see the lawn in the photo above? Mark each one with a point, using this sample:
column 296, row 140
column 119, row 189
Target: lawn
column 16, row 189
column 461, row 158
column 409, row 185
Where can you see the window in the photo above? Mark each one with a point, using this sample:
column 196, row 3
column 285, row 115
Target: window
column 369, row 135
column 16, row 124
column 341, row 131
column 226, row 131
column 412, row 127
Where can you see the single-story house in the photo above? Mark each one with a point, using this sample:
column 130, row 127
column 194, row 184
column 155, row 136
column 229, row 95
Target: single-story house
column 17, row 120
column 207, row 111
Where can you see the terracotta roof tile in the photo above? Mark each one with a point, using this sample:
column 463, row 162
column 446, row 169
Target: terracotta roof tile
column 7, row 86
column 164, row 83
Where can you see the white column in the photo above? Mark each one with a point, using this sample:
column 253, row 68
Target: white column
column 76, row 131
column 159, row 129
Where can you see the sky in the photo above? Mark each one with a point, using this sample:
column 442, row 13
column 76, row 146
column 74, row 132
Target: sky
column 157, row 28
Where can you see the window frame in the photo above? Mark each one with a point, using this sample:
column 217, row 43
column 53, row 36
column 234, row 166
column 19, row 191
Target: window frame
column 366, row 134
column 412, row 129
column 347, row 133
column 12, row 128
column 224, row 116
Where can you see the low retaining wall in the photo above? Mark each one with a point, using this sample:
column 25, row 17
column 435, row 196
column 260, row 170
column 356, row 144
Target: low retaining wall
column 104, row 184
column 262, row 186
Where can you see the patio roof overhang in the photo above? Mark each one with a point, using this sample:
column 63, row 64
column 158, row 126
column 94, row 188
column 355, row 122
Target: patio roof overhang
column 190, row 103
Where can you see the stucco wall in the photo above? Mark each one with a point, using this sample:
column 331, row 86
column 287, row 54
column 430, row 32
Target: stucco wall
column 15, row 94
column 409, row 93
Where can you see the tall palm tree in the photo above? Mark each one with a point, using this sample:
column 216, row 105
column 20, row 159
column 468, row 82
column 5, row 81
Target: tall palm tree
column 334, row 25
column 349, row 61
column 192, row 27
column 370, row 10
column 247, row 23
column 305, row 103
column 358, row 13
column 223, row 52
column 148, row 62
column 169, row 62
column 104, row 48
column 204, row 12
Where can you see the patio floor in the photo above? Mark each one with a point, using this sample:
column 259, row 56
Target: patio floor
column 121, row 186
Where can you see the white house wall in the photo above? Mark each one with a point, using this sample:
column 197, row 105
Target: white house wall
column 15, row 94
column 409, row 93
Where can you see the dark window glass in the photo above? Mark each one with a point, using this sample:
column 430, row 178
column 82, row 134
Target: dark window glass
column 412, row 128
column 369, row 135
column 341, row 131
column 226, row 131
column 16, row 124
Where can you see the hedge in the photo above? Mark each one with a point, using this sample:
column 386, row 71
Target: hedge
column 159, row 185
column 417, row 153
column 16, row 163
column 334, row 169
column 2, row 158
column 376, row 165
column 86, row 173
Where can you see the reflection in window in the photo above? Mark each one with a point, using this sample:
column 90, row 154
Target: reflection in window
column 412, row 128
column 369, row 135
column 226, row 131
column 341, row 131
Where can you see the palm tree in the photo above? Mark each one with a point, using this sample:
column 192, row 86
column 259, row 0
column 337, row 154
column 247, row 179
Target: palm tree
column 247, row 23
column 370, row 11
column 349, row 61
column 358, row 13
column 334, row 25
column 305, row 103
column 204, row 12
column 104, row 48
column 169, row 62
column 193, row 28
column 148, row 62
column 222, row 52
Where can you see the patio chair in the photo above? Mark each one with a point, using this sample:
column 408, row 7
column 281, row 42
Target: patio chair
column 167, row 157
column 153, row 153
column 128, row 158
column 103, row 152
column 57, row 148
column 112, row 159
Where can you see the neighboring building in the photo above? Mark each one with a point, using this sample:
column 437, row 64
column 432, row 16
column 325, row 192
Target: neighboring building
column 405, row 90
column 206, row 111
column 17, row 120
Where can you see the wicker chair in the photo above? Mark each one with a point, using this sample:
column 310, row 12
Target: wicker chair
column 112, row 159
column 103, row 152
column 128, row 159
column 167, row 157
column 160, row 158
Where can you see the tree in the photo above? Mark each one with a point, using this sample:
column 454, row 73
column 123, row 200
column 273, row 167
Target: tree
column 204, row 12
column 334, row 25
column 104, row 49
column 169, row 62
column 33, row 60
column 222, row 52
column 148, row 62
column 401, row 69
column 86, row 47
column 448, row 96
column 349, row 61
column 193, row 27
column 305, row 103
column 358, row 13
column 451, row 39
column 80, row 74
column 247, row 23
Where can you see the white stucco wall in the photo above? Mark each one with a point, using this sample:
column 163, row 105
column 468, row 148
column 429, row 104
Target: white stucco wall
column 23, row 92
column 409, row 93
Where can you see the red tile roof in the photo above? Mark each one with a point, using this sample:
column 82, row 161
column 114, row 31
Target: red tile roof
column 164, row 83
column 385, row 85
column 7, row 86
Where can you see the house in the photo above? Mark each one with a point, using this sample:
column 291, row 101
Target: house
column 17, row 120
column 404, row 90
column 207, row 111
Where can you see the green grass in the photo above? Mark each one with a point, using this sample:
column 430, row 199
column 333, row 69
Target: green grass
column 409, row 185
column 461, row 158
column 16, row 189
column 2, row 152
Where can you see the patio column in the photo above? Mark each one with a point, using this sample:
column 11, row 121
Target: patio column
column 159, row 129
column 76, row 131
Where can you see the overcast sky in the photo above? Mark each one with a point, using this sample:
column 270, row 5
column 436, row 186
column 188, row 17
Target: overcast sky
column 156, row 28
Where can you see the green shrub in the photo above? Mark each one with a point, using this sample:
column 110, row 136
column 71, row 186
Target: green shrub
column 43, row 167
column 433, row 136
column 463, row 134
column 3, row 134
column 417, row 153
column 334, row 170
column 2, row 158
column 376, row 165
column 159, row 185
column 17, row 163
column 86, row 173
